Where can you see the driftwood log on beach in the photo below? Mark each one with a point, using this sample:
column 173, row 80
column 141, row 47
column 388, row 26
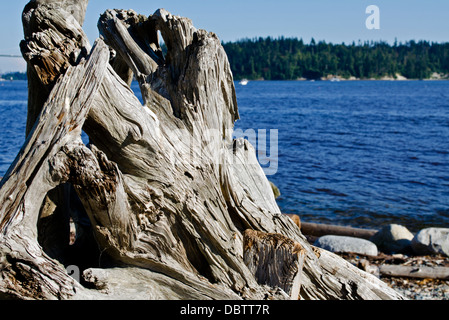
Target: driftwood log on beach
column 318, row 230
column 162, row 193
column 421, row 272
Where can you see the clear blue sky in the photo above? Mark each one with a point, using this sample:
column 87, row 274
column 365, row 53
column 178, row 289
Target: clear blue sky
column 334, row 21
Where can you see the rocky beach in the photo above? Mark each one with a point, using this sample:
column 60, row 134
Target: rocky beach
column 411, row 288
column 415, row 265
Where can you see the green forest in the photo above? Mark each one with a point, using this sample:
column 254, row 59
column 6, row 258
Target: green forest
column 14, row 76
column 292, row 59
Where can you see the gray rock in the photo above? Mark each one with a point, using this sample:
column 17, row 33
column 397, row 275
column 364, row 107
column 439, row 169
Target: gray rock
column 431, row 241
column 347, row 244
column 393, row 238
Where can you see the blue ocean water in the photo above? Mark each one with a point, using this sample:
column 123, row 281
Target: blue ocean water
column 358, row 153
column 13, row 110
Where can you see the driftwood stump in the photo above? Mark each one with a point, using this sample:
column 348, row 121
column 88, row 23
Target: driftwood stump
column 274, row 260
column 162, row 193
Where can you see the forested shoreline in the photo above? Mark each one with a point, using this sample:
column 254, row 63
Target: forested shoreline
column 293, row 59
column 14, row 76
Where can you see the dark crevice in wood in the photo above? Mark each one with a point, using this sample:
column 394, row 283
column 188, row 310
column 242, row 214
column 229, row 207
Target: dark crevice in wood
column 62, row 211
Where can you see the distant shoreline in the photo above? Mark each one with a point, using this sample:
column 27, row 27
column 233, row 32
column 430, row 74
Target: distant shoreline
column 292, row 58
column 335, row 78
column 342, row 80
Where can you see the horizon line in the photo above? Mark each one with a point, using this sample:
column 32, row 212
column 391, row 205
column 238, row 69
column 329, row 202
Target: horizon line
column 281, row 37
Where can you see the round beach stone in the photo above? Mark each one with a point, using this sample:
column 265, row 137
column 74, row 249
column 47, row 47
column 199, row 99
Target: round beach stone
column 347, row 244
column 393, row 238
column 431, row 241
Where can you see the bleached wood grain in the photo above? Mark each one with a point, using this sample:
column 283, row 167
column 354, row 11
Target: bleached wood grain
column 165, row 186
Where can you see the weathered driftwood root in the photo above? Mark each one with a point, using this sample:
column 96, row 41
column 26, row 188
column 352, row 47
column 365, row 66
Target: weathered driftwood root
column 54, row 40
column 164, row 187
column 28, row 272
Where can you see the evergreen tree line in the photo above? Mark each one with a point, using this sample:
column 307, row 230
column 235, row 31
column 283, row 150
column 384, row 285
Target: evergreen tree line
column 291, row 59
column 14, row 76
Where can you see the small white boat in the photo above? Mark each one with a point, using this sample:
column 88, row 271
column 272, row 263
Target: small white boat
column 335, row 79
column 243, row 82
